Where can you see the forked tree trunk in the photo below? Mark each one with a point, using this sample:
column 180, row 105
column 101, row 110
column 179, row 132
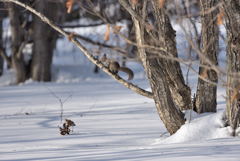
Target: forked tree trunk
column 155, row 68
column 232, row 19
column 17, row 37
column 44, row 41
column 206, row 92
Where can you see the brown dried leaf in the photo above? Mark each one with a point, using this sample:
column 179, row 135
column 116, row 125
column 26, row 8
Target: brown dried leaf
column 161, row 3
column 107, row 33
column 220, row 17
column 69, row 5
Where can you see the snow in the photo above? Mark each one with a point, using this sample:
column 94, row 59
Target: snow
column 205, row 126
column 112, row 122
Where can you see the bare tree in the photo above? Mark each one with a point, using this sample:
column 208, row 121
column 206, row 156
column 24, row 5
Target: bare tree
column 232, row 14
column 44, row 38
column 165, row 76
column 180, row 92
column 18, row 42
column 206, row 92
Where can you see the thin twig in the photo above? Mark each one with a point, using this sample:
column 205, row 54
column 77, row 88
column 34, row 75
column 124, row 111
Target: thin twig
column 81, row 25
column 60, row 101
column 118, row 49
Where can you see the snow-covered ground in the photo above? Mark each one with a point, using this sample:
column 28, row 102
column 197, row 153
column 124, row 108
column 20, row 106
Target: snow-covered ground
column 112, row 122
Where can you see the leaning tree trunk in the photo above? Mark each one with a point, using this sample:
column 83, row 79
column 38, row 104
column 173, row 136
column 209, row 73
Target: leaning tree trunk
column 44, row 38
column 17, row 37
column 155, row 67
column 206, row 91
column 232, row 19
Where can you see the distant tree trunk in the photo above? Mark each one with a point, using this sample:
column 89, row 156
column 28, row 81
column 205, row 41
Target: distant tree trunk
column 206, row 92
column 232, row 19
column 44, row 38
column 155, row 67
column 3, row 56
column 17, row 37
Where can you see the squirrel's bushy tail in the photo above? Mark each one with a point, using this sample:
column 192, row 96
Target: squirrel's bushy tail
column 128, row 71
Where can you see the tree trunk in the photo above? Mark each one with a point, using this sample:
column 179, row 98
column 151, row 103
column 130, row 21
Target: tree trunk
column 1, row 45
column 206, row 92
column 44, row 38
column 156, row 71
column 169, row 113
column 3, row 56
column 232, row 19
column 165, row 36
column 17, row 36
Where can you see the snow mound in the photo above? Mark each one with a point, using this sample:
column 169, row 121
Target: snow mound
column 203, row 127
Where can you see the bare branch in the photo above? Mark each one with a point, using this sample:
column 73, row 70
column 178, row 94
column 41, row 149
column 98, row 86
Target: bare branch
column 81, row 26
column 101, row 44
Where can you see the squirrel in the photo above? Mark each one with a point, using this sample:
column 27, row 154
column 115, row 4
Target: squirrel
column 115, row 67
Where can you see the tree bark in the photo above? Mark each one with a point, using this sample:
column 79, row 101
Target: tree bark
column 169, row 113
column 232, row 19
column 155, row 69
column 3, row 57
column 165, row 36
column 44, row 38
column 17, row 36
column 1, row 44
column 206, row 92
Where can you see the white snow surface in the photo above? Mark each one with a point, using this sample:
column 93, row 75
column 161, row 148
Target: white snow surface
column 112, row 122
